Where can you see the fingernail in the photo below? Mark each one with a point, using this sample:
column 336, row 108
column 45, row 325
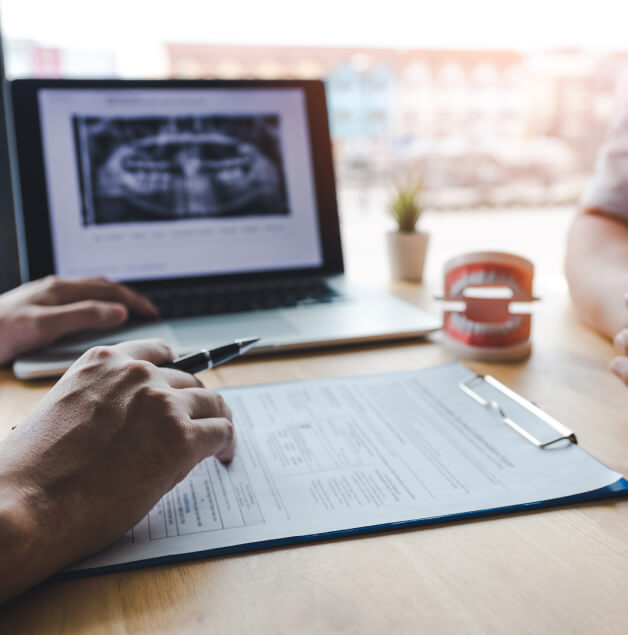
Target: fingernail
column 116, row 312
column 151, row 308
column 621, row 341
column 616, row 365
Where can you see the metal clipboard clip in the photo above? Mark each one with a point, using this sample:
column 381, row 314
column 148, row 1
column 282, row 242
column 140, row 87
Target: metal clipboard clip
column 565, row 434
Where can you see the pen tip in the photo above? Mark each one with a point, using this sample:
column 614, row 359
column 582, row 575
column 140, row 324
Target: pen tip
column 247, row 342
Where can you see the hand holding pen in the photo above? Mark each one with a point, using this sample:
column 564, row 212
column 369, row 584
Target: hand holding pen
column 205, row 359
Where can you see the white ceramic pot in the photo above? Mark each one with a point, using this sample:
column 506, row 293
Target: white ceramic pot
column 406, row 252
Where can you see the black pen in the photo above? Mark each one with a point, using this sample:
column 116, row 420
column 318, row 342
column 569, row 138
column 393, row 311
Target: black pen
column 206, row 359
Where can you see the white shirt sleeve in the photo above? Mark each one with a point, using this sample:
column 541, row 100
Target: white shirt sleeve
column 608, row 189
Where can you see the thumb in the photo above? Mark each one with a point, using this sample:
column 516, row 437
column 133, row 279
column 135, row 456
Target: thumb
column 55, row 321
column 214, row 437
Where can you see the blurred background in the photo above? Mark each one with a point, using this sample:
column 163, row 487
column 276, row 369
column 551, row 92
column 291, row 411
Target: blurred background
column 499, row 106
column 496, row 105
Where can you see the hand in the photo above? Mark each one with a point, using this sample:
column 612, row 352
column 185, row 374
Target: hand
column 38, row 313
column 103, row 446
column 619, row 365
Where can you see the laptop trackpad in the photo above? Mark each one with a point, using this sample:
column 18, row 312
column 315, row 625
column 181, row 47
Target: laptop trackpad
column 191, row 333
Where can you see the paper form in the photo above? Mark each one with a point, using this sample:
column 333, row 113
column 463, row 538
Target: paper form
column 335, row 454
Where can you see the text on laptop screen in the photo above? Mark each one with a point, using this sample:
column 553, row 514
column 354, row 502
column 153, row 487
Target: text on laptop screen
column 162, row 183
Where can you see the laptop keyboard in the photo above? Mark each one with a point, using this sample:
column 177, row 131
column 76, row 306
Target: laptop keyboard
column 191, row 301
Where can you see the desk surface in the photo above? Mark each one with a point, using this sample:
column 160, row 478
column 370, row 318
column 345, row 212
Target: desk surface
column 563, row 570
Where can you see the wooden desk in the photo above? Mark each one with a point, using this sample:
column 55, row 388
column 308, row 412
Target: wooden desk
column 555, row 571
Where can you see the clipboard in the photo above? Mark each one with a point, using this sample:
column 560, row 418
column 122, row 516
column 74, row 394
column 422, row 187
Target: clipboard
column 563, row 433
column 503, row 407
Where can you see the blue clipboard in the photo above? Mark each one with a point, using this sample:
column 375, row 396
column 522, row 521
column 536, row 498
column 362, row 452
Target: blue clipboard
column 615, row 490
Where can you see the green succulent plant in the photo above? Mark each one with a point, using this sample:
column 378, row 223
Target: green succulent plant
column 405, row 206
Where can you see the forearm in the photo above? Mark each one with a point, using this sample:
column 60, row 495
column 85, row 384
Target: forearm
column 19, row 568
column 32, row 541
column 597, row 270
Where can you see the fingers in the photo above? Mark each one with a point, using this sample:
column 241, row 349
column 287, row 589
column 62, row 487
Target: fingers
column 215, row 437
column 179, row 379
column 621, row 342
column 55, row 321
column 201, row 403
column 620, row 367
column 155, row 351
column 59, row 291
column 210, row 423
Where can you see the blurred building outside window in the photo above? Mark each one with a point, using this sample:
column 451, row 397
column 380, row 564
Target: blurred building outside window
column 484, row 127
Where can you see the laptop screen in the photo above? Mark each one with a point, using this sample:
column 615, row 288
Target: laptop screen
column 155, row 183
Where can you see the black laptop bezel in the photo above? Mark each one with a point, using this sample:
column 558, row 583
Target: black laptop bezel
column 33, row 185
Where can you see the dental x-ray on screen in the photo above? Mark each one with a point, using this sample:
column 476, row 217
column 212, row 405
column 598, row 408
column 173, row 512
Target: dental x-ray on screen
column 166, row 168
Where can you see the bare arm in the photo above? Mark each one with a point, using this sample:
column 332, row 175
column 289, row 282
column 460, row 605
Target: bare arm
column 597, row 269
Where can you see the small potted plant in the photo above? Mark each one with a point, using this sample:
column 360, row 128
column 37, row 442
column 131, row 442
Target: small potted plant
column 407, row 246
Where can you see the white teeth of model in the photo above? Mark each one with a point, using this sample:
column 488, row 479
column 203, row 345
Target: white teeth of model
column 458, row 321
column 462, row 323
column 515, row 322
column 484, row 277
column 508, row 281
column 475, row 278
column 482, row 329
column 456, row 288
column 459, row 286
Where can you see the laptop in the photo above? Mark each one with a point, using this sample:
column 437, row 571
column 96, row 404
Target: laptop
column 216, row 199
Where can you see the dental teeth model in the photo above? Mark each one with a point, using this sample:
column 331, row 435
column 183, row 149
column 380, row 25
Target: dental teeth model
column 479, row 289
